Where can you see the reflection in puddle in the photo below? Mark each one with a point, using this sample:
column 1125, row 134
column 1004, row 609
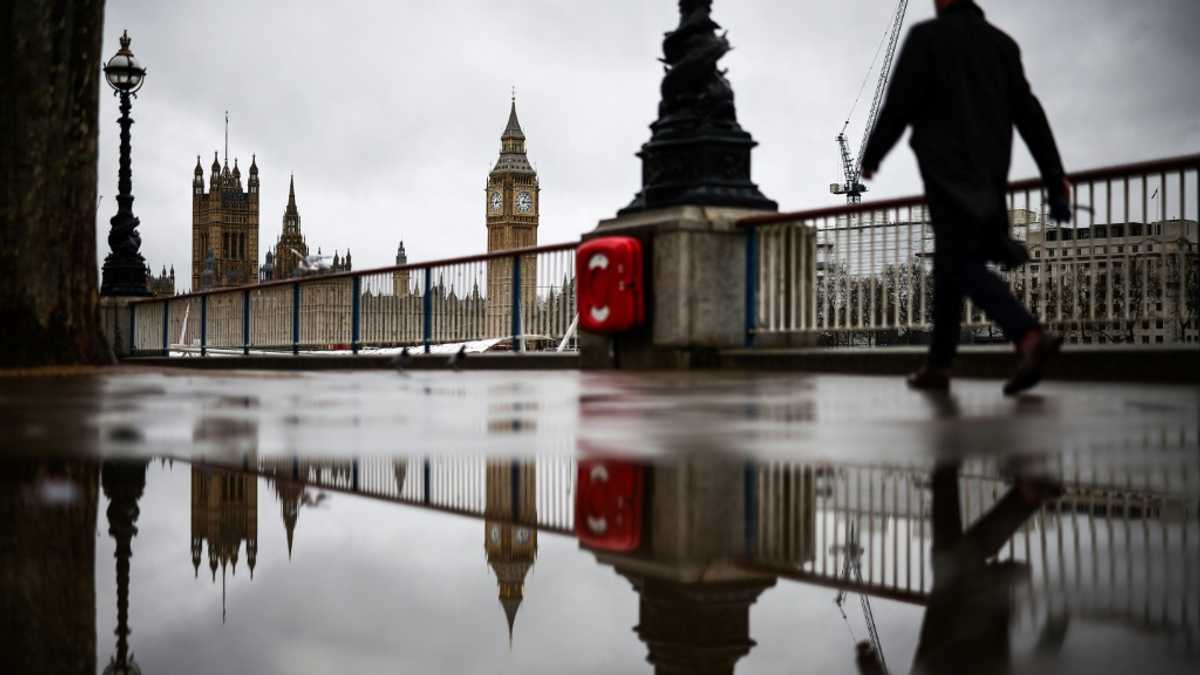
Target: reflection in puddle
column 1068, row 562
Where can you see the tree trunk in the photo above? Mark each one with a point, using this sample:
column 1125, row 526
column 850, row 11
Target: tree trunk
column 50, row 57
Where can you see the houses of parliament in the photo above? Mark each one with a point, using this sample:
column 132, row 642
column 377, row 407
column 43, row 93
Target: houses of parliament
column 226, row 228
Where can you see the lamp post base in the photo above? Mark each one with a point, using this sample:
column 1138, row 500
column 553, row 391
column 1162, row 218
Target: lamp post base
column 703, row 169
column 124, row 276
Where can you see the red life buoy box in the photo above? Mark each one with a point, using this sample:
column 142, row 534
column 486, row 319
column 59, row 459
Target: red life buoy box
column 608, row 271
column 608, row 504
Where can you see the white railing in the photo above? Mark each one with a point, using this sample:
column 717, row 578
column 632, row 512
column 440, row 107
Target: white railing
column 1125, row 271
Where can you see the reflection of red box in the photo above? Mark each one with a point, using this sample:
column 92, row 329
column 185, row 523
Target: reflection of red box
column 609, row 274
column 608, row 505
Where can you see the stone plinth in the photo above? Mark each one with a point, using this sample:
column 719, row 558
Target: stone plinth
column 695, row 272
column 114, row 322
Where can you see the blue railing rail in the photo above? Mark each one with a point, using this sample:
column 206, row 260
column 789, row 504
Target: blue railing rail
column 1124, row 271
column 519, row 295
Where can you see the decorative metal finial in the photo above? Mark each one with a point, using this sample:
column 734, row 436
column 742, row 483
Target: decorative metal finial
column 125, row 41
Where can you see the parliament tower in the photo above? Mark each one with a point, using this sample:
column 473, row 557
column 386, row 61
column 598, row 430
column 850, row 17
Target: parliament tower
column 224, row 226
column 511, row 206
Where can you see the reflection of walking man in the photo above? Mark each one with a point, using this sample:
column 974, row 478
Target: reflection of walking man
column 959, row 82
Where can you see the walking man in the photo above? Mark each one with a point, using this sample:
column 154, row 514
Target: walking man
column 959, row 83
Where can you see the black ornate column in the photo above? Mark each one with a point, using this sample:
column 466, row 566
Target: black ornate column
column 698, row 154
column 696, row 628
column 123, row 482
column 124, row 271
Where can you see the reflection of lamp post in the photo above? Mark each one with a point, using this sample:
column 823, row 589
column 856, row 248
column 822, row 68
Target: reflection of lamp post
column 123, row 482
column 124, row 271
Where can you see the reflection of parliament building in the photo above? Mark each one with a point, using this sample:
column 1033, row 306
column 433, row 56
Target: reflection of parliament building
column 224, row 515
column 511, row 549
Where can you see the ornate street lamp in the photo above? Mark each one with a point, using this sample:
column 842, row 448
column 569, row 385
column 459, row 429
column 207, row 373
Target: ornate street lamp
column 124, row 271
column 697, row 154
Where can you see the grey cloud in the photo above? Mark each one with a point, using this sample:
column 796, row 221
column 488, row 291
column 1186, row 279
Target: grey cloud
column 390, row 112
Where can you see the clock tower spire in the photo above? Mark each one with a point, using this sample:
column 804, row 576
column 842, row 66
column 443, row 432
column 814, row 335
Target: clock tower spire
column 511, row 212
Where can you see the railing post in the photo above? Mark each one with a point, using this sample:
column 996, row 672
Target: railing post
column 425, row 471
column 166, row 328
column 132, row 325
column 295, row 317
column 750, row 505
column 246, row 322
column 427, row 316
column 355, row 313
column 516, row 303
column 204, row 325
column 354, row 470
column 751, row 284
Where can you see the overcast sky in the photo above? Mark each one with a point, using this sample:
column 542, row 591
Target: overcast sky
column 390, row 113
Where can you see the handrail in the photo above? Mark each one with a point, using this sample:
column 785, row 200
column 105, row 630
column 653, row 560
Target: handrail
column 1180, row 163
column 528, row 250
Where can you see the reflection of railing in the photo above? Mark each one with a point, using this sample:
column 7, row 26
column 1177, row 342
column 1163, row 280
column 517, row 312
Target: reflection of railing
column 522, row 299
column 456, row 485
column 1120, row 544
column 860, row 274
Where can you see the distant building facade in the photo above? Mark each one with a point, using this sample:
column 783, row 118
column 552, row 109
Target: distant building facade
column 1131, row 282
column 224, row 226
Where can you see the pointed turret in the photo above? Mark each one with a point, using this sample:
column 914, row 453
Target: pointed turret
column 252, row 183
column 512, row 146
column 198, row 177
column 513, row 129
column 215, row 179
column 346, row 261
column 237, row 175
column 291, row 215
column 401, row 254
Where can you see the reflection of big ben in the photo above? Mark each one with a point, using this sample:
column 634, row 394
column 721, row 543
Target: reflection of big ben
column 225, row 513
column 511, row 548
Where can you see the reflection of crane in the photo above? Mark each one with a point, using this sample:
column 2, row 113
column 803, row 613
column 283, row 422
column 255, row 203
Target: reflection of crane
column 852, row 571
column 852, row 166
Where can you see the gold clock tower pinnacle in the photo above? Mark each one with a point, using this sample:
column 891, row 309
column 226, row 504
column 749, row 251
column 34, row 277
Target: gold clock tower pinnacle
column 511, row 206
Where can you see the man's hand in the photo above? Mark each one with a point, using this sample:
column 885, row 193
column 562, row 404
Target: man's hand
column 1060, row 204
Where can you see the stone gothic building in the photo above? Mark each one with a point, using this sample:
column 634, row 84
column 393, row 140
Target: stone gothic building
column 163, row 285
column 224, row 226
column 511, row 209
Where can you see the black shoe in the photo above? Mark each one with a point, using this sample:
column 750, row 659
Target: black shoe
column 1033, row 363
column 929, row 379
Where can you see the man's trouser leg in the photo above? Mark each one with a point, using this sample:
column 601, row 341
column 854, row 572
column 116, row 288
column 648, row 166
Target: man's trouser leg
column 995, row 298
column 947, row 309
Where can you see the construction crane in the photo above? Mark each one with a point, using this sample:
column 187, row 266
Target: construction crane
column 852, row 165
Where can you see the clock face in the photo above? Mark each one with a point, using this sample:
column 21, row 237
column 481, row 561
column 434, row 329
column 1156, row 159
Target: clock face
column 524, row 202
column 497, row 201
column 494, row 534
column 522, row 535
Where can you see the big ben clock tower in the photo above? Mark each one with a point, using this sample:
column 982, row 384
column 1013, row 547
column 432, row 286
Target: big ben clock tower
column 511, row 206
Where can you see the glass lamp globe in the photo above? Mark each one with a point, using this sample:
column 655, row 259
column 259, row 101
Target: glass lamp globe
column 123, row 71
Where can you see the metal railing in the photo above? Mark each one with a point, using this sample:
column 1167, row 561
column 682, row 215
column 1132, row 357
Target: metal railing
column 1124, row 271
column 522, row 299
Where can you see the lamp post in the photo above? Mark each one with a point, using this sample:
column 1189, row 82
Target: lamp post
column 124, row 271
column 697, row 154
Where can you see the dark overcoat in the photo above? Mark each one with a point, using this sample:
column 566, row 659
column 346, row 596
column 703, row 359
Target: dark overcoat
column 959, row 83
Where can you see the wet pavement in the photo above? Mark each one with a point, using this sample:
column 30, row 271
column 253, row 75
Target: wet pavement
column 566, row 522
